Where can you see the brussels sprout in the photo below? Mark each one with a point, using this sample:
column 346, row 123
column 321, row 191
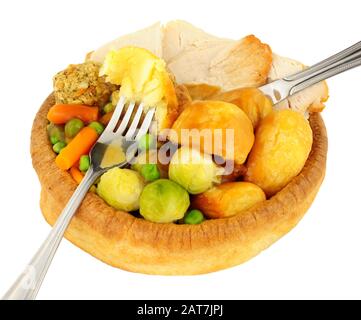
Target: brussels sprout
column 121, row 188
column 163, row 201
column 194, row 171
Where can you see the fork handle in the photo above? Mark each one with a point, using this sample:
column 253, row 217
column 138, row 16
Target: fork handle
column 326, row 72
column 28, row 283
column 326, row 63
column 344, row 60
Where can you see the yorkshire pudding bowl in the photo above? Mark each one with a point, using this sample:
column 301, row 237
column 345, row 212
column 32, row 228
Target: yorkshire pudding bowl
column 133, row 244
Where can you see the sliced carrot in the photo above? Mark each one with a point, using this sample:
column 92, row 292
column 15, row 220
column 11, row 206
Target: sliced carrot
column 76, row 174
column 81, row 144
column 62, row 113
column 106, row 118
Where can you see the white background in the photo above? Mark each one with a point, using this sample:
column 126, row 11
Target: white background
column 321, row 258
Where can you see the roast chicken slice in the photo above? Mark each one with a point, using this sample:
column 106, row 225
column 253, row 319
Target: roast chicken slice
column 180, row 37
column 310, row 99
column 196, row 57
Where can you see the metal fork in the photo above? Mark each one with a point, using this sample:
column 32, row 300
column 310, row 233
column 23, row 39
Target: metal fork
column 280, row 89
column 28, row 284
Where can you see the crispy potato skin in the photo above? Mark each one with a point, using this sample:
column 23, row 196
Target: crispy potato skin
column 251, row 100
column 228, row 199
column 283, row 143
column 215, row 115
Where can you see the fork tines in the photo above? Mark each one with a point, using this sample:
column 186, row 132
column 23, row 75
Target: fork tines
column 127, row 125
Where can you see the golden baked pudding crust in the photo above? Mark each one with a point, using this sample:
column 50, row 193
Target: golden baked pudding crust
column 133, row 244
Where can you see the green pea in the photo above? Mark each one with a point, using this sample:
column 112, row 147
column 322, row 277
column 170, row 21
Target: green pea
column 147, row 142
column 55, row 133
column 73, row 127
column 97, row 126
column 194, row 217
column 109, row 107
column 57, row 147
column 54, row 139
column 150, row 172
column 84, row 163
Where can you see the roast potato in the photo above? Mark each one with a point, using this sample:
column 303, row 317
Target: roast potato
column 215, row 117
column 283, row 143
column 251, row 100
column 228, row 199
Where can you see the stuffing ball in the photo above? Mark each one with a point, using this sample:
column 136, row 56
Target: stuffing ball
column 81, row 84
